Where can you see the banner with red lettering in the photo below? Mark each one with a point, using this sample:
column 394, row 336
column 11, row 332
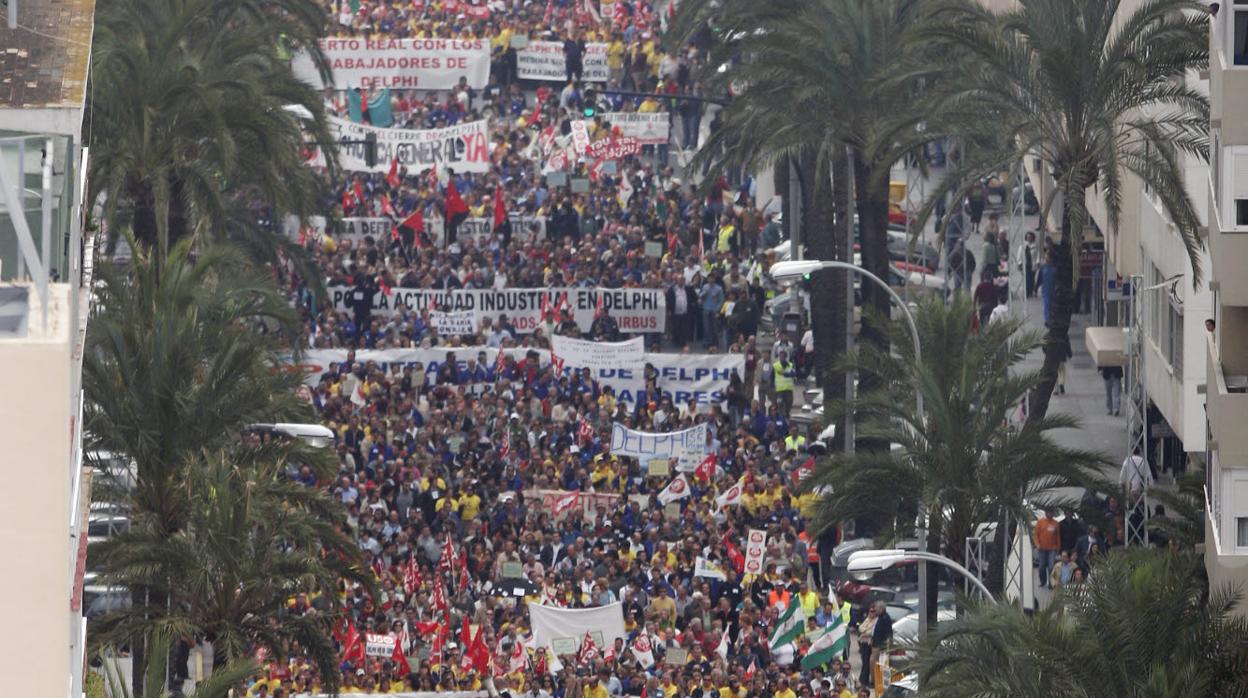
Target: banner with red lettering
column 650, row 128
column 463, row 147
column 425, row 64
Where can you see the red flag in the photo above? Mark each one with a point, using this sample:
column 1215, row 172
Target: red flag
column 411, row 576
column 449, row 560
column 352, row 645
column 428, row 628
column 585, row 431
column 564, row 503
column 439, row 644
column 359, row 192
column 385, row 291
column 414, row 222
column 455, row 205
column 394, row 233
column 706, row 469
column 803, row 471
column 588, row 651
column 439, row 596
column 481, row 655
column 735, row 556
column 500, row 210
column 392, row 177
column 386, row 207
column 749, row 673
column 346, row 200
column 465, row 634
column 399, row 657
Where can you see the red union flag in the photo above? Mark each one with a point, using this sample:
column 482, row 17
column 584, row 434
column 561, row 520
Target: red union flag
column 585, row 431
column 803, row 471
column 676, row 490
column 643, row 651
column 589, row 650
column 565, row 503
column 732, row 496
column 706, row 469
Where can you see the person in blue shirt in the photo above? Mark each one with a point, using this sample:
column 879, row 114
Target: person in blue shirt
column 712, row 295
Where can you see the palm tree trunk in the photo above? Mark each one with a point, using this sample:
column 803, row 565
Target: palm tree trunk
column 144, row 215
column 820, row 211
column 872, row 199
column 1057, row 342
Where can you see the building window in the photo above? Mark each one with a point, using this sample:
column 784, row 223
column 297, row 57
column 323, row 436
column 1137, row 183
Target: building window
column 1239, row 32
column 1241, row 532
column 1234, row 187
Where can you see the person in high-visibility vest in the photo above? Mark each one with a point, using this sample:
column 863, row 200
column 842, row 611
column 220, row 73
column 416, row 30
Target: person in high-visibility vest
column 785, row 373
column 794, row 442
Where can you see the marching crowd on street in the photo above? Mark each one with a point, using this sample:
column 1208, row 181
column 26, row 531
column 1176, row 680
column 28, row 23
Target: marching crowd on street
column 474, row 481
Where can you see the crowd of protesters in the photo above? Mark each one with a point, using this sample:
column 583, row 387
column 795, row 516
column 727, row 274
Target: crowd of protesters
column 479, row 487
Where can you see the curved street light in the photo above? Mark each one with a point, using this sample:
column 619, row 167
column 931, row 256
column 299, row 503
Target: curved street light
column 865, row 563
column 794, row 269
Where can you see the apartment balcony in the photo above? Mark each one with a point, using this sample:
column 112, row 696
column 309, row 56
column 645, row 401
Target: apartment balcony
column 1228, row 255
column 1227, row 404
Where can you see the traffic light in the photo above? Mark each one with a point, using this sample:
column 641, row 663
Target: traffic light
column 370, row 149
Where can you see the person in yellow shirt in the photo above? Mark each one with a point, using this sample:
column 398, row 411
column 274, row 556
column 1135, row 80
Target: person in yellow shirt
column 784, row 691
column 734, row 689
column 469, row 505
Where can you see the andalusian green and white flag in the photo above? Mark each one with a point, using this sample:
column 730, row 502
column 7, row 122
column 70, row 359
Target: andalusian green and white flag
column 830, row 644
column 789, row 625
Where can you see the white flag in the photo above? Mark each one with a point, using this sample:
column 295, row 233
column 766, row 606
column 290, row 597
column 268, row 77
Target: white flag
column 722, row 649
column 676, row 490
column 731, row 496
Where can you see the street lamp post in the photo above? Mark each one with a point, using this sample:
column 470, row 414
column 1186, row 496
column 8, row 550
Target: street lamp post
column 796, row 269
column 865, row 563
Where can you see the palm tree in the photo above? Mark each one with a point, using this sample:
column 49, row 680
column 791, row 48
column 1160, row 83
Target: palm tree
column 180, row 358
column 814, row 82
column 188, row 113
column 961, row 460
column 1141, row 625
column 153, row 682
column 253, row 540
column 1094, row 91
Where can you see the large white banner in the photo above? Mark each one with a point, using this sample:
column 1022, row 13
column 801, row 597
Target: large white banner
column 702, row 378
column 689, row 445
column 543, row 60
column 462, row 148
column 648, row 128
column 581, row 353
column 635, row 310
column 409, row 64
column 564, row 628
column 356, row 229
column 480, row 231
